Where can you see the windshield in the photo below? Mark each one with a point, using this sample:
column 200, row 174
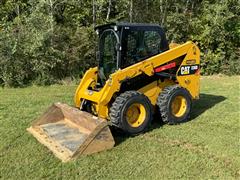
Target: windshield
column 108, row 53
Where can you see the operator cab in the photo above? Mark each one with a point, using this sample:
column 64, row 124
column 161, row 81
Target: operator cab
column 124, row 44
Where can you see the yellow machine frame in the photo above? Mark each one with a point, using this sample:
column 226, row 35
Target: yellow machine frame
column 100, row 99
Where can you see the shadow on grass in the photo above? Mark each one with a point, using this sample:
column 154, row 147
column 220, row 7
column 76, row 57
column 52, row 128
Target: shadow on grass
column 206, row 101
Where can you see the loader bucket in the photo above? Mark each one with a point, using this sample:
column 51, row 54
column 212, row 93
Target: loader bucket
column 69, row 132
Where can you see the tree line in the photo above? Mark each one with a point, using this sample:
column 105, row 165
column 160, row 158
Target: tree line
column 44, row 41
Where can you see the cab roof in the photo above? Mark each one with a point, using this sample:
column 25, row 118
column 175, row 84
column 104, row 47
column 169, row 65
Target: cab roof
column 142, row 26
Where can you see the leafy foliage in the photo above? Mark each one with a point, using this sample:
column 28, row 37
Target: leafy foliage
column 45, row 41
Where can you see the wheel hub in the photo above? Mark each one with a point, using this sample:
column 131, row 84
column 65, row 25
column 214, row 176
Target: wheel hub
column 179, row 106
column 136, row 115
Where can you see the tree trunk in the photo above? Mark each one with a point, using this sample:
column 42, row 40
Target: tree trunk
column 131, row 11
column 109, row 9
column 147, row 4
column 161, row 10
column 94, row 12
column 18, row 22
column 186, row 8
column 52, row 20
column 164, row 13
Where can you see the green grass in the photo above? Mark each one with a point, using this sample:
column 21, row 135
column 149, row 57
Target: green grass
column 207, row 147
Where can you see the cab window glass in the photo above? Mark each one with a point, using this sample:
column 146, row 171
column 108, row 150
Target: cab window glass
column 108, row 56
column 152, row 42
column 139, row 45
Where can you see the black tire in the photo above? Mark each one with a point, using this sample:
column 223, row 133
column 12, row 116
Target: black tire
column 165, row 100
column 120, row 107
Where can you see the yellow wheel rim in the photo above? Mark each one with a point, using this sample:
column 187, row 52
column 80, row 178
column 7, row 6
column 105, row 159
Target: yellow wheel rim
column 179, row 106
column 136, row 114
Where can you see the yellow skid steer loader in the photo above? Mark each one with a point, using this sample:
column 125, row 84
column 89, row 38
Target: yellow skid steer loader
column 138, row 74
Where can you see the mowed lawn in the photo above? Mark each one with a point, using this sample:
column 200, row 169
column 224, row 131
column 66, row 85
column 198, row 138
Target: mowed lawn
column 206, row 147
